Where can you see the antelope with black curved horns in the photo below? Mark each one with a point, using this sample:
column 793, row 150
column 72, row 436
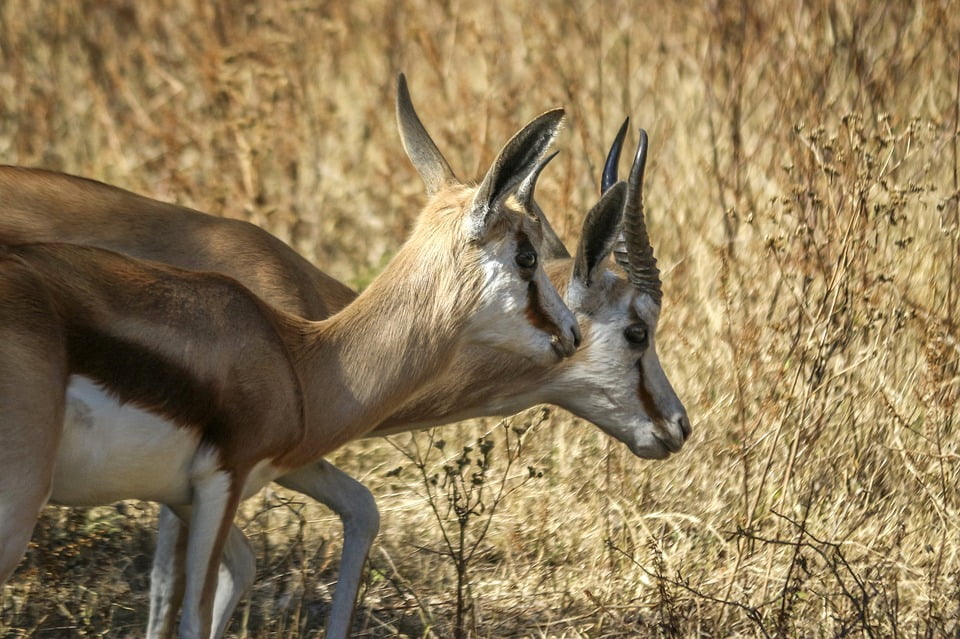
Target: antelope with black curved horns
column 600, row 383
column 248, row 392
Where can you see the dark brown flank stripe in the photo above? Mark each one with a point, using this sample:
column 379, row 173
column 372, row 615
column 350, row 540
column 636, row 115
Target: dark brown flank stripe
column 135, row 375
column 199, row 383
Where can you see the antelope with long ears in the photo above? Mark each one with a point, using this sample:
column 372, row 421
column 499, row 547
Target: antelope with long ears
column 614, row 380
column 249, row 393
column 600, row 383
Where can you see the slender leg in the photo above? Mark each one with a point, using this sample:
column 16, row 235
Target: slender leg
column 238, row 569
column 361, row 520
column 328, row 485
column 236, row 574
column 167, row 577
column 215, row 500
column 32, row 388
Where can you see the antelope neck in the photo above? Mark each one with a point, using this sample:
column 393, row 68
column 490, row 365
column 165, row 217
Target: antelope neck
column 360, row 365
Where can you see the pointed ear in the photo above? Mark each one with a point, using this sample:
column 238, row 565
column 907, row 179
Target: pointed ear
column 423, row 153
column 516, row 160
column 600, row 231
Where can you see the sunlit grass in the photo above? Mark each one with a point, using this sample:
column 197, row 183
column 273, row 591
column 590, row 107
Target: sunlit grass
column 802, row 196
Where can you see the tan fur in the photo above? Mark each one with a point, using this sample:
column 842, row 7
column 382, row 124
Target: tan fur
column 47, row 206
column 137, row 328
column 44, row 206
column 33, row 406
column 200, row 349
column 481, row 375
column 262, row 388
column 348, row 373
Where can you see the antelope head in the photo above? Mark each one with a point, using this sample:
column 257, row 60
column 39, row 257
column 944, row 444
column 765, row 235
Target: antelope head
column 631, row 399
column 516, row 307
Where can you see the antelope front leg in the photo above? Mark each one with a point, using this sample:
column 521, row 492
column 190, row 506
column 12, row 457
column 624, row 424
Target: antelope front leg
column 167, row 577
column 238, row 569
column 237, row 572
column 216, row 495
column 361, row 520
column 322, row 481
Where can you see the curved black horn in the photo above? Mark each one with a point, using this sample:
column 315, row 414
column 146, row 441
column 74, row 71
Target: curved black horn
column 610, row 171
column 632, row 250
column 551, row 247
column 529, row 184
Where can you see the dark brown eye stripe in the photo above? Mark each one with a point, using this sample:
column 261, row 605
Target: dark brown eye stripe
column 535, row 313
column 646, row 399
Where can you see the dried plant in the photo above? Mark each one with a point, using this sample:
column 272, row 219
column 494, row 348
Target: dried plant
column 803, row 194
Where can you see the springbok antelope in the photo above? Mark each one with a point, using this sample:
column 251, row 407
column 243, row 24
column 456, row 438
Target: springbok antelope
column 250, row 393
column 602, row 382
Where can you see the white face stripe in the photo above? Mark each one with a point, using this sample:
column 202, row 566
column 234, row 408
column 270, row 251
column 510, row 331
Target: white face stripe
column 602, row 382
column 506, row 301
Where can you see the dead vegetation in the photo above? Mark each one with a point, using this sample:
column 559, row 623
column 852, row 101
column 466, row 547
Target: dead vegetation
column 804, row 202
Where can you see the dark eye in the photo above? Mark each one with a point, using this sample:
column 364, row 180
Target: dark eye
column 526, row 259
column 636, row 334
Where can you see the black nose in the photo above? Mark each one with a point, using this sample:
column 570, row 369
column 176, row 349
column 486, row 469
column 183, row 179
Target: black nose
column 685, row 426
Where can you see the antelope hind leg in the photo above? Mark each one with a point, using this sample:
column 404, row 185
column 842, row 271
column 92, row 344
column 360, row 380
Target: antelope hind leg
column 236, row 575
column 32, row 388
column 238, row 568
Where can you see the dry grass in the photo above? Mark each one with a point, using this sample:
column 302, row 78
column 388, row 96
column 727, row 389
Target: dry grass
column 803, row 200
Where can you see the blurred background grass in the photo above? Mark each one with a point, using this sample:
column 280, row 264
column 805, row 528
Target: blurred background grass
column 802, row 196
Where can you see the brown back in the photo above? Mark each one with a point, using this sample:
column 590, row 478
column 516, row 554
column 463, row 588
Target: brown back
column 45, row 206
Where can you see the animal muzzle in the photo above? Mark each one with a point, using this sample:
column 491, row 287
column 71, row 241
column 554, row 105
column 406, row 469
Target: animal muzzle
column 566, row 343
column 673, row 432
column 547, row 312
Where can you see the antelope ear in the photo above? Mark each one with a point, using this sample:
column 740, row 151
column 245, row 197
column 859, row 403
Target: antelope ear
column 423, row 153
column 600, row 231
column 516, row 160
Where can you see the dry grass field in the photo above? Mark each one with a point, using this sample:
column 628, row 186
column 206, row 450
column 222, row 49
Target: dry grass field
column 803, row 197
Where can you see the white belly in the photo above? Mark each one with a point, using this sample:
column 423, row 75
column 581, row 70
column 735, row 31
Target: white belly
column 111, row 452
